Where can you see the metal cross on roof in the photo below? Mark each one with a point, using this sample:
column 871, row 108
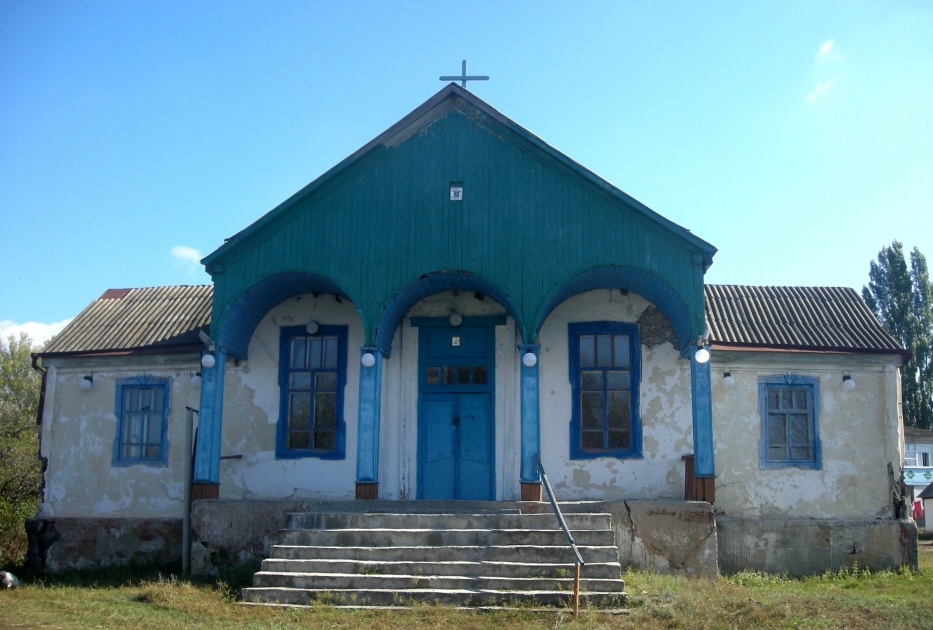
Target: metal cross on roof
column 463, row 78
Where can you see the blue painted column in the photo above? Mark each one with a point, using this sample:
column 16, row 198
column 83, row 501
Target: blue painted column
column 704, row 464
column 210, row 421
column 530, row 417
column 367, row 437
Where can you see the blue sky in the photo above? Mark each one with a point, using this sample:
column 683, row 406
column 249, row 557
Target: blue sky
column 796, row 137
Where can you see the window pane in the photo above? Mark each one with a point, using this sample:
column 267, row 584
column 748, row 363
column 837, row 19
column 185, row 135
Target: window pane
column 129, row 451
column 297, row 360
column 301, row 380
column 154, row 428
column 799, row 430
column 463, row 375
column 130, row 400
column 450, row 376
column 591, row 380
column 591, row 412
column 604, row 351
column 145, row 399
column 777, row 453
column 299, row 439
column 777, row 430
column 592, row 440
column 803, row 399
column 587, row 351
column 432, row 376
column 156, row 400
column 325, row 382
column 330, row 353
column 479, row 375
column 151, row 451
column 787, row 398
column 774, row 398
column 620, row 439
column 133, row 429
column 618, row 379
column 619, row 410
column 620, row 350
column 325, row 410
column 314, row 353
column 299, row 409
column 325, row 440
column 800, row 453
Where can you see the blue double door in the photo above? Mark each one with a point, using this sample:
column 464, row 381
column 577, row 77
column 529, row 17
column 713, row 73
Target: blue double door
column 456, row 428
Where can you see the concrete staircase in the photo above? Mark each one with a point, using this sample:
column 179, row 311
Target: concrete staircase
column 472, row 554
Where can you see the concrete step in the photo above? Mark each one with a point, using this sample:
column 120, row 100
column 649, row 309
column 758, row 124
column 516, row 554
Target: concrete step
column 469, row 553
column 440, row 537
column 347, row 581
column 470, row 598
column 592, row 570
column 544, row 521
column 477, row 555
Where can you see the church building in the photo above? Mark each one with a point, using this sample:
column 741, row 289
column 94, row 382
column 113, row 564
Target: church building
column 443, row 316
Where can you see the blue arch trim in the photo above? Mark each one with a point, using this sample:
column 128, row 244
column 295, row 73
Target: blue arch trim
column 430, row 284
column 632, row 279
column 238, row 324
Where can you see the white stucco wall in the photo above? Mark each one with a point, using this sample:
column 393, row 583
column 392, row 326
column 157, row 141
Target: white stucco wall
column 665, row 409
column 859, row 431
column 78, row 431
column 251, row 412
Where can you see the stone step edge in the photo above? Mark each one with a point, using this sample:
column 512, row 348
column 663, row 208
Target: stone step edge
column 535, row 609
column 387, row 576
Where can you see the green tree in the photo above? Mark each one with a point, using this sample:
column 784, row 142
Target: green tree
column 902, row 299
column 20, row 470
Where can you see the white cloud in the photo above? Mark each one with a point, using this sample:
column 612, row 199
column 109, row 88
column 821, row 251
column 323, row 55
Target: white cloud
column 38, row 332
column 820, row 90
column 189, row 256
column 828, row 52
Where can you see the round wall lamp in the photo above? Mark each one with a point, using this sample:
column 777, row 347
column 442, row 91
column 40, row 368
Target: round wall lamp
column 196, row 379
column 86, row 383
column 728, row 380
column 529, row 359
column 368, row 359
column 702, row 355
column 456, row 319
column 847, row 383
column 311, row 327
column 208, row 361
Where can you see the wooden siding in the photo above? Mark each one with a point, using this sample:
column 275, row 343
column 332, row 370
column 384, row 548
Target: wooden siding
column 529, row 223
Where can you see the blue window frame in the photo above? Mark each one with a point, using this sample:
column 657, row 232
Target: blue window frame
column 142, row 409
column 605, row 372
column 312, row 377
column 789, row 407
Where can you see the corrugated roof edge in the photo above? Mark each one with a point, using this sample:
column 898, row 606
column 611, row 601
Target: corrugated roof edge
column 164, row 319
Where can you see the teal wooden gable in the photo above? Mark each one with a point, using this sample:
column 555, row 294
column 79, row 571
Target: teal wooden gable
column 380, row 229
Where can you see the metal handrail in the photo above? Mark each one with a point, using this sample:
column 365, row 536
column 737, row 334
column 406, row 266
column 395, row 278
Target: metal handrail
column 559, row 515
column 573, row 545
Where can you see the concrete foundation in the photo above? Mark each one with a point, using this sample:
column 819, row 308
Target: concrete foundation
column 668, row 536
column 67, row 544
column 800, row 547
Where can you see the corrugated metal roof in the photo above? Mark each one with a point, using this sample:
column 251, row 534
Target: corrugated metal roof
column 135, row 319
column 804, row 318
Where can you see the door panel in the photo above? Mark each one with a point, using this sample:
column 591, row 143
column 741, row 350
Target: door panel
column 474, row 455
column 456, row 426
column 438, row 446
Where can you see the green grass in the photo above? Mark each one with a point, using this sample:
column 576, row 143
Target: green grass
column 137, row 598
